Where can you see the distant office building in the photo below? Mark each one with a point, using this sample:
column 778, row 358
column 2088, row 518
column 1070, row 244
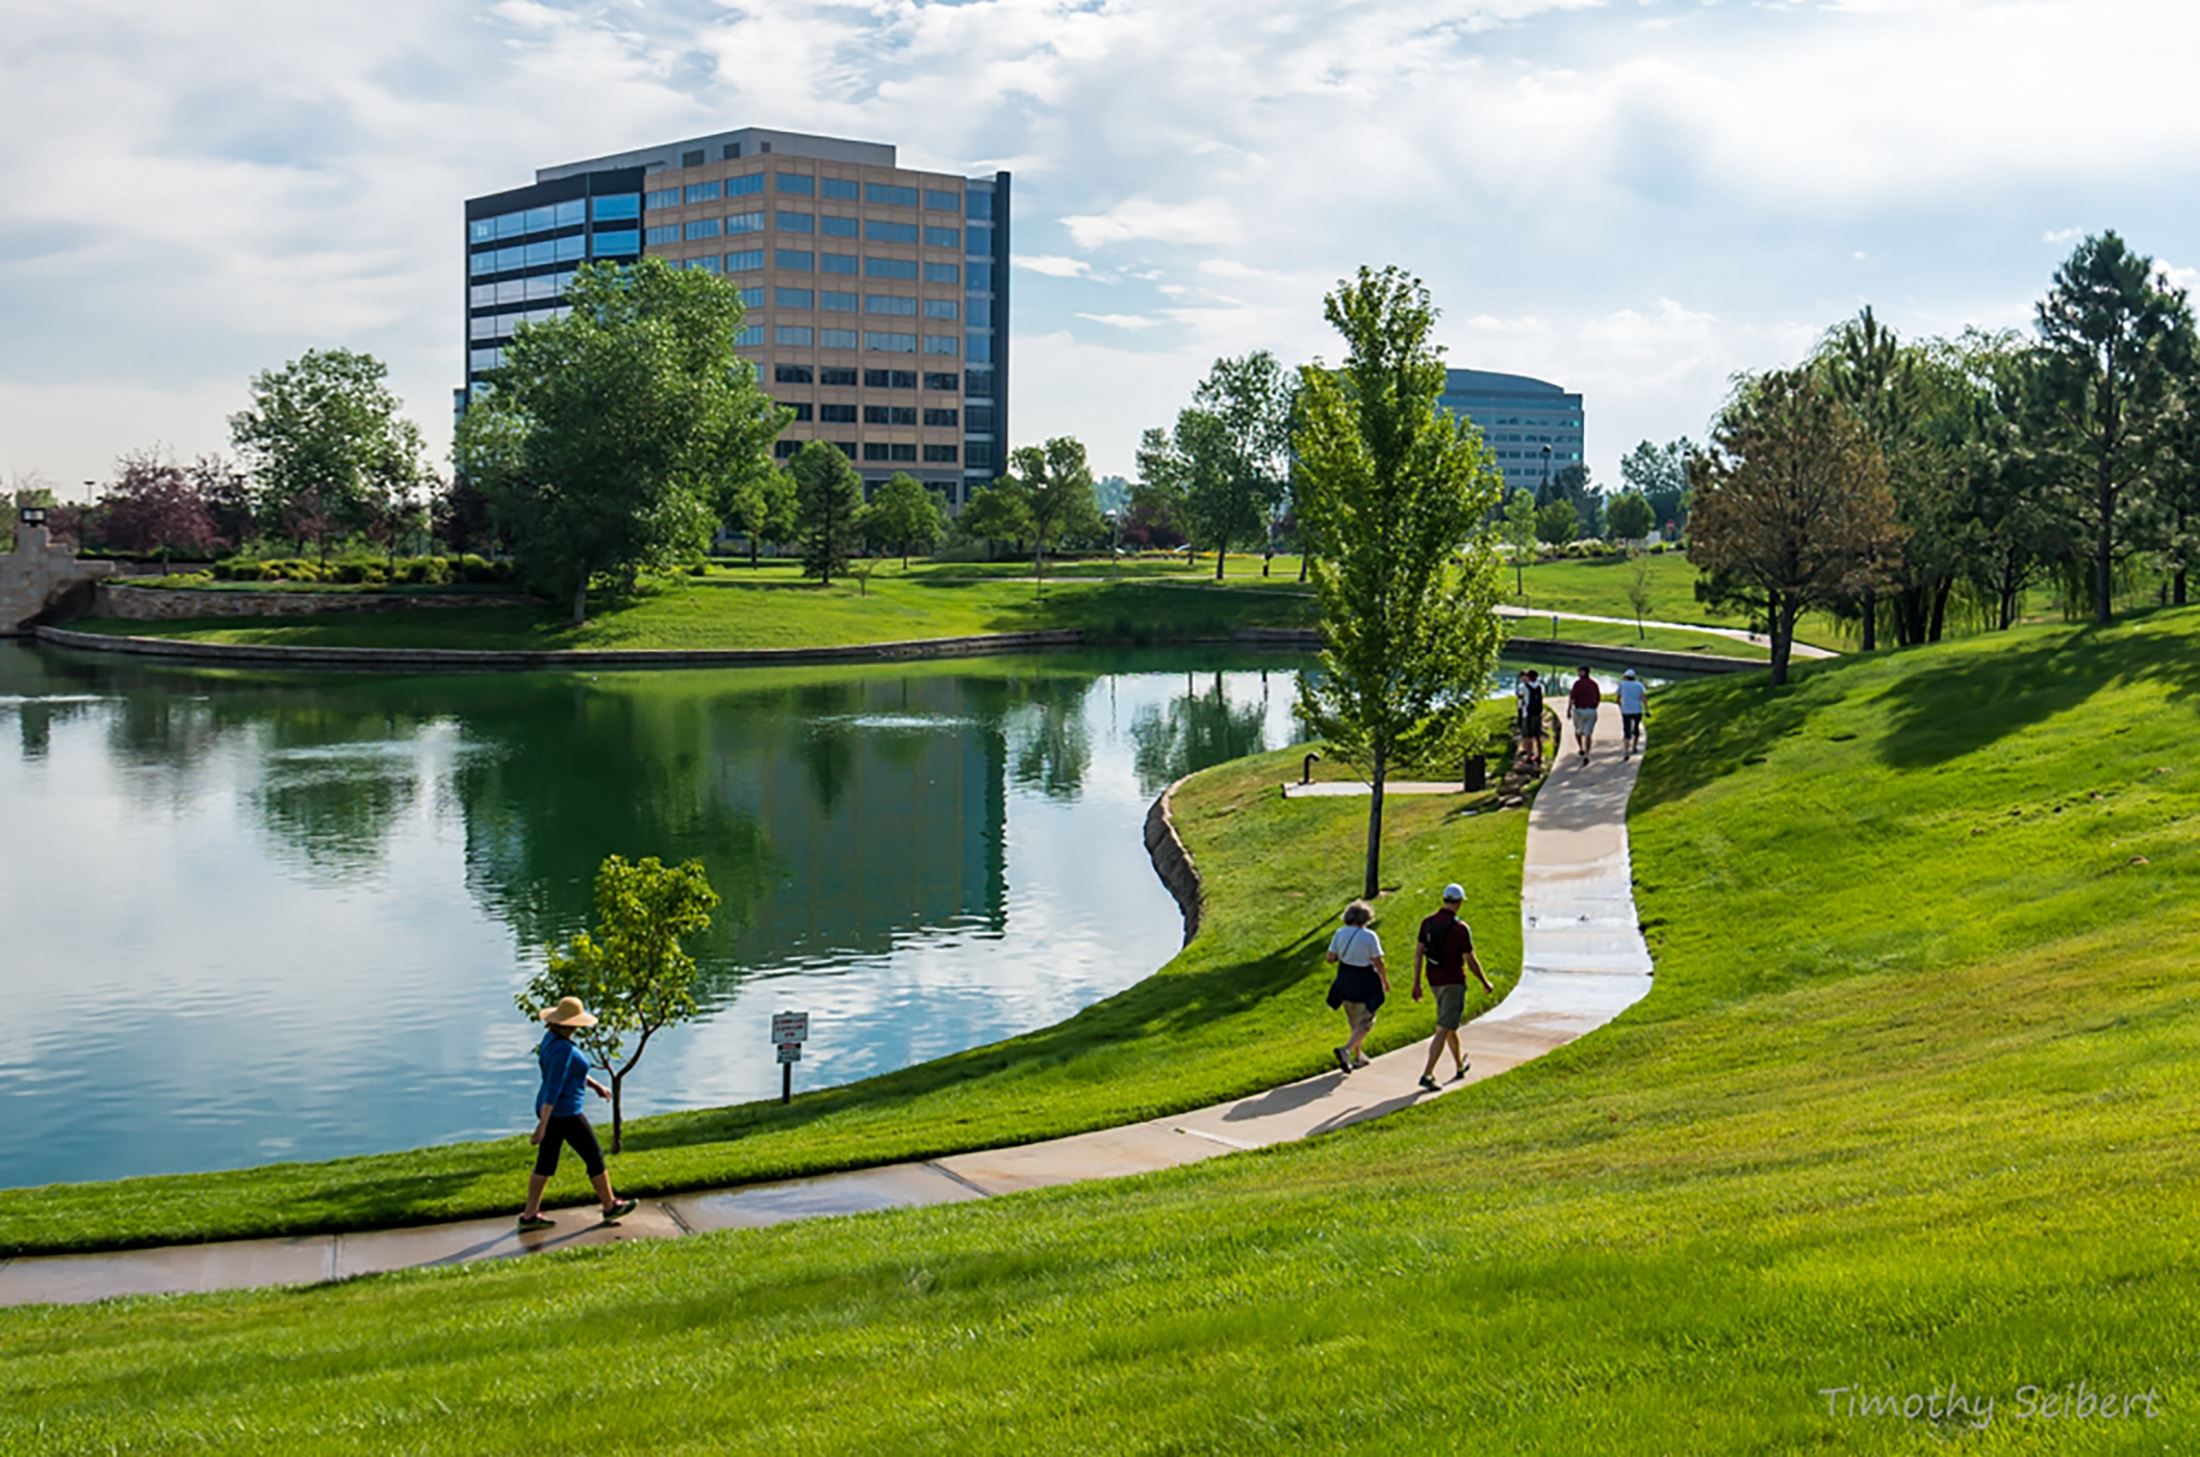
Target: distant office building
column 877, row 296
column 1519, row 417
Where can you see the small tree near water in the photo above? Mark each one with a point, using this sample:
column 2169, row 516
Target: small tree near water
column 634, row 973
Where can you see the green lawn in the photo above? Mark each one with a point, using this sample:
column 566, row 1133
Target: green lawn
column 1912, row 1103
column 1224, row 1018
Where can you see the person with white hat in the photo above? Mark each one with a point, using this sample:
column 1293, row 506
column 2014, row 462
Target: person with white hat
column 558, row 1117
column 1630, row 713
column 1446, row 947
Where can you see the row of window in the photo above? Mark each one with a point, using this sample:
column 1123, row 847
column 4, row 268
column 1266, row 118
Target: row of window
column 611, row 207
column 802, row 260
column 801, row 222
column 886, row 451
column 834, row 300
column 875, row 379
column 802, row 184
column 500, row 326
column 520, row 290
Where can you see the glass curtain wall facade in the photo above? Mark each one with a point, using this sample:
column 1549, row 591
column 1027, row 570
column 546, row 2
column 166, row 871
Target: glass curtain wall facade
column 1519, row 416
column 877, row 295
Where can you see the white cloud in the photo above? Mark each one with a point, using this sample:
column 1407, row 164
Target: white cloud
column 1199, row 220
column 2175, row 277
column 1124, row 321
column 1053, row 265
column 2062, row 235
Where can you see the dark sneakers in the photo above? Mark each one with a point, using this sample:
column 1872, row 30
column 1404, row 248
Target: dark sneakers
column 1344, row 1064
column 616, row 1212
column 529, row 1226
column 1428, row 1084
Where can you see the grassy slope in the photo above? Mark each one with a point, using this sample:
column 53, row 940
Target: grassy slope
column 1913, row 1101
column 1224, row 1018
column 771, row 607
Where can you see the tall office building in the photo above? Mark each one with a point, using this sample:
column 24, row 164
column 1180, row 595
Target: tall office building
column 877, row 296
column 1519, row 417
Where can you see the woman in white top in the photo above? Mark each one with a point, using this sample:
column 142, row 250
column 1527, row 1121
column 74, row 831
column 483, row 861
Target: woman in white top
column 1361, row 983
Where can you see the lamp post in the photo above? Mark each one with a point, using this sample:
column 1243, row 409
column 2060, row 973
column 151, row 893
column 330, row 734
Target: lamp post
column 33, row 517
column 1543, row 497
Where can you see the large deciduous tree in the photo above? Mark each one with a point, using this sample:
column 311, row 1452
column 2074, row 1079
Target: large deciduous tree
column 995, row 514
column 608, row 435
column 1629, row 516
column 761, row 505
column 1660, row 473
column 327, row 444
column 905, row 514
column 1400, row 496
column 1225, row 466
column 157, row 505
column 828, row 500
column 1056, row 483
column 2110, row 332
column 1792, row 509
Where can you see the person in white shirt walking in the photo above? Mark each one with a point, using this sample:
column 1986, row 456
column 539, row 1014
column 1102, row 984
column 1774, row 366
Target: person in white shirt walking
column 1631, row 697
column 1361, row 984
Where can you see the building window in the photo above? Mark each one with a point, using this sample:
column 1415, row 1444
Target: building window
column 485, row 359
column 744, row 261
column 837, row 414
column 540, row 219
column 665, row 197
column 840, row 189
column 981, row 203
column 545, row 251
column 940, row 454
column 752, row 298
column 791, row 374
column 801, row 410
column 700, row 192
column 981, row 313
column 661, row 233
column 744, row 222
column 701, row 228
column 889, row 415
column 798, row 184
column 785, row 449
column 950, row 418
column 730, row 152
column 890, row 195
column 796, row 222
column 839, row 376
column 748, row 337
column 943, row 237
column 978, row 382
column 740, row 186
column 902, row 452
column 693, row 158
column 890, row 303
column 897, row 268
column 796, row 336
column 481, row 293
column 837, row 262
column 846, row 447
column 939, row 344
column 942, row 201
column 835, row 298
column 889, row 379
column 794, row 260
column 616, row 205
column 981, row 348
column 890, row 343
column 981, row 240
column 570, row 249
column 702, row 265
column 948, row 382
column 942, row 308
column 792, row 298
column 943, row 273
column 874, row 450
column 481, row 230
column 978, row 453
column 980, row 418
column 627, row 244
column 833, row 227
column 836, row 338
column 879, row 231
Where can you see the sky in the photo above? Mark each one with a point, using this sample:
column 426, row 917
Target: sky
column 1636, row 198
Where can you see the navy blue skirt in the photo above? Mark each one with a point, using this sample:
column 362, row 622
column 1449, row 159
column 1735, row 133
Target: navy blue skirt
column 1356, row 984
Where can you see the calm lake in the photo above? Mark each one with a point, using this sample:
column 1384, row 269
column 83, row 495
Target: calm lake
column 248, row 917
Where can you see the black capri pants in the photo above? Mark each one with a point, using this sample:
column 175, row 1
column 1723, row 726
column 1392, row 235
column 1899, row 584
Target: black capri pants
column 573, row 1128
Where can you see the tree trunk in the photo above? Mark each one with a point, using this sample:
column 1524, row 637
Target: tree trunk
column 618, row 1109
column 1265, row 563
column 580, row 600
column 1373, row 883
column 905, row 556
column 2177, row 588
column 1222, row 550
column 1306, row 556
column 1782, row 623
column 1871, row 619
column 1940, row 611
column 2104, row 550
column 1520, row 587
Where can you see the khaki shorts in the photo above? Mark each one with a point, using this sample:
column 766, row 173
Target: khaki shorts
column 1585, row 721
column 1359, row 1014
column 1451, row 1006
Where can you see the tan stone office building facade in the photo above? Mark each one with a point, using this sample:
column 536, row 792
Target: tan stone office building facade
column 877, row 295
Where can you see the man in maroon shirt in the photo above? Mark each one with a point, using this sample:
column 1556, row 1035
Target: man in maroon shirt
column 1584, row 697
column 1446, row 947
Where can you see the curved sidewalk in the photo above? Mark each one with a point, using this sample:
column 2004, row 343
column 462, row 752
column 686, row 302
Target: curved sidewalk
column 1797, row 649
column 1583, row 962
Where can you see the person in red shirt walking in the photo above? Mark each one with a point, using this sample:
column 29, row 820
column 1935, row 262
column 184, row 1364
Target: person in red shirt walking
column 1585, row 697
column 1446, row 948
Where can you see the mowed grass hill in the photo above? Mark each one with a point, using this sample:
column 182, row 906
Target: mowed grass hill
column 1913, row 1103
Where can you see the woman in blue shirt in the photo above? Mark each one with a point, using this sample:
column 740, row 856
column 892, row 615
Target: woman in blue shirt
column 558, row 1117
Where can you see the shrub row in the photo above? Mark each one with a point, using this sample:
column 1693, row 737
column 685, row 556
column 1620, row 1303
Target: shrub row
column 428, row 571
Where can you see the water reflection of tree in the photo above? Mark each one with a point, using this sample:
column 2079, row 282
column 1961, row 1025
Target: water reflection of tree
column 1201, row 728
column 1043, row 719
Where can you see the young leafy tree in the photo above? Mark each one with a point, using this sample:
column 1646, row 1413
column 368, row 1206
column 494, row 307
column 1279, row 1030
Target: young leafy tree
column 1556, row 522
column 2110, row 332
column 1660, row 474
column 228, row 498
column 995, row 514
column 1517, row 528
column 1400, row 493
column 1638, row 586
column 760, row 505
column 156, row 505
column 634, row 972
column 610, row 433
column 828, row 496
column 1792, row 508
column 905, row 514
column 327, row 443
column 1226, row 467
column 2177, row 477
column 1630, row 516
column 1056, row 483
column 2004, row 509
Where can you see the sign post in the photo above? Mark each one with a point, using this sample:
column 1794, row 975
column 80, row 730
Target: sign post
column 789, row 1031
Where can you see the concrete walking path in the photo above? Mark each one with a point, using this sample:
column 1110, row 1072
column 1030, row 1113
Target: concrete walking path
column 1583, row 962
column 1737, row 634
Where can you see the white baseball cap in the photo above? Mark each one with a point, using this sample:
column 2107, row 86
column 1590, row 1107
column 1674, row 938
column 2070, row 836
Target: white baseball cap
column 1452, row 892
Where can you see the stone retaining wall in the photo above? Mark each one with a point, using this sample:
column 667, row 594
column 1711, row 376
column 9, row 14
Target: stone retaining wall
column 38, row 574
column 169, row 604
column 1172, row 862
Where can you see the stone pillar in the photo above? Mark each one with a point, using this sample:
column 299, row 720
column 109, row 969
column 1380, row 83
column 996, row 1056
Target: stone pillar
column 36, row 574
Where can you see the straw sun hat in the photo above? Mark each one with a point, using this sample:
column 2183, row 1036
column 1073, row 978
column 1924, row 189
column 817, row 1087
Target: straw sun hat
column 568, row 1013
